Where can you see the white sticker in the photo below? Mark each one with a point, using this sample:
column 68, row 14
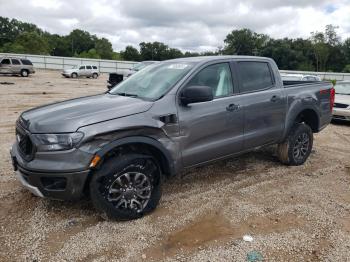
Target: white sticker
column 177, row 66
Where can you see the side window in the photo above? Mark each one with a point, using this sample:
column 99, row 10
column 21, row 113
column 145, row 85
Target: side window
column 217, row 76
column 254, row 76
column 82, row 68
column 26, row 62
column 15, row 62
column 88, row 67
column 94, row 67
column 5, row 62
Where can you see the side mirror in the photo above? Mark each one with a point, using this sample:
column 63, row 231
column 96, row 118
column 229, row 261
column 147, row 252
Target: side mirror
column 196, row 94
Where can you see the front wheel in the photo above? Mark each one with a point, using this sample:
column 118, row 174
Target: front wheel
column 94, row 75
column 297, row 146
column 24, row 73
column 126, row 187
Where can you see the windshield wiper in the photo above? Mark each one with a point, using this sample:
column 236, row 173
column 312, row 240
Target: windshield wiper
column 127, row 94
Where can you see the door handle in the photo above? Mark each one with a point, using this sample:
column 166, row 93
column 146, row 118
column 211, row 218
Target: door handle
column 233, row 107
column 275, row 98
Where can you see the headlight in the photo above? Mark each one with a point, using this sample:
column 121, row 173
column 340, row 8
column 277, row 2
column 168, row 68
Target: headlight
column 55, row 142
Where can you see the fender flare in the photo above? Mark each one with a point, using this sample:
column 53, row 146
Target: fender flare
column 140, row 140
column 293, row 115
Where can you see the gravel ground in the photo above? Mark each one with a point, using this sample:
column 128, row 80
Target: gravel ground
column 293, row 213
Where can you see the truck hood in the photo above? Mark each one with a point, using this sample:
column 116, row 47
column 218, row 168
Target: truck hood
column 68, row 116
column 343, row 99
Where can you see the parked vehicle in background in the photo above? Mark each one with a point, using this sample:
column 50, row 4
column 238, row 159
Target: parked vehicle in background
column 82, row 71
column 140, row 66
column 300, row 77
column 116, row 78
column 16, row 66
column 341, row 109
column 168, row 117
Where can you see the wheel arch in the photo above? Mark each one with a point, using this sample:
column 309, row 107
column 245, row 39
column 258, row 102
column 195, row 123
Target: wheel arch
column 141, row 143
column 307, row 115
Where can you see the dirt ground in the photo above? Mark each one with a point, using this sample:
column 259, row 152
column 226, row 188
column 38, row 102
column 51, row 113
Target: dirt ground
column 293, row 213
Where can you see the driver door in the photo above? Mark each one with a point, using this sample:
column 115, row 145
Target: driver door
column 214, row 129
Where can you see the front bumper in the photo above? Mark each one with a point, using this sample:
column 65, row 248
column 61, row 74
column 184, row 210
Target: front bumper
column 341, row 114
column 54, row 185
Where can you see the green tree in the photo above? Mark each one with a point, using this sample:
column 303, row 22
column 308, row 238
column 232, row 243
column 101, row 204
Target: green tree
column 244, row 42
column 104, row 48
column 80, row 41
column 92, row 53
column 130, row 54
column 321, row 50
column 32, row 43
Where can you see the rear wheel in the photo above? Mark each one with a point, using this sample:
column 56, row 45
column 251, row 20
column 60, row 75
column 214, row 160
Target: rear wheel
column 24, row 73
column 126, row 188
column 297, row 147
column 94, row 75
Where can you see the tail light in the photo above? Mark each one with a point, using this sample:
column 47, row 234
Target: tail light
column 331, row 98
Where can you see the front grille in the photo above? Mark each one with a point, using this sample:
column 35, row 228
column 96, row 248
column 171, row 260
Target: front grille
column 25, row 145
column 339, row 105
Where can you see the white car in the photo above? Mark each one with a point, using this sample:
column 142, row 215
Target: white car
column 299, row 77
column 341, row 109
column 82, row 70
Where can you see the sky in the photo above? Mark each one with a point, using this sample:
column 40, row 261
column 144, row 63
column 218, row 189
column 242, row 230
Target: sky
column 190, row 25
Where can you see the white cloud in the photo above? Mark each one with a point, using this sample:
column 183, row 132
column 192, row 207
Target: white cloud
column 186, row 24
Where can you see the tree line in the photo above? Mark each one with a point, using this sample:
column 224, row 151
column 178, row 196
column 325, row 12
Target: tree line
column 321, row 51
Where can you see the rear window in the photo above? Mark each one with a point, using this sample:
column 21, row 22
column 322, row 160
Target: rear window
column 26, row 62
column 254, row 76
column 5, row 62
column 15, row 62
column 94, row 67
column 88, row 67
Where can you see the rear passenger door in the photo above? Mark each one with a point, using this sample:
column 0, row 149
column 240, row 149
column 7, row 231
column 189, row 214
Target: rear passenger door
column 16, row 66
column 88, row 71
column 263, row 103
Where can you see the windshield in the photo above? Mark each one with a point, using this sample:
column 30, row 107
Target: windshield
column 154, row 81
column 342, row 88
column 138, row 67
column 74, row 67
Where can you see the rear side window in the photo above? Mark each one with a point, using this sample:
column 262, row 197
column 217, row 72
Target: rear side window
column 5, row 62
column 26, row 62
column 88, row 67
column 15, row 62
column 94, row 67
column 254, row 76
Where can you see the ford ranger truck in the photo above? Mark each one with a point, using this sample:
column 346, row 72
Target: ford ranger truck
column 116, row 146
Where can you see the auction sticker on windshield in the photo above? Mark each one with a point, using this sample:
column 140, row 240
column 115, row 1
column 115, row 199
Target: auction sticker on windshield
column 178, row 66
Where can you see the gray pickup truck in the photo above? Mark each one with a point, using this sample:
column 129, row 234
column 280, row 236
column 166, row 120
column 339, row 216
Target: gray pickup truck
column 173, row 115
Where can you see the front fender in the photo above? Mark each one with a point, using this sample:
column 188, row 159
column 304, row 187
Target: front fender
column 140, row 140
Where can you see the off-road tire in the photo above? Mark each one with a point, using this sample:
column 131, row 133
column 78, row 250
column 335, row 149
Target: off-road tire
column 299, row 138
column 24, row 73
column 113, row 168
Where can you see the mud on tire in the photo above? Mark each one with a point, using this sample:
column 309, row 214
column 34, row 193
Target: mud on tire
column 297, row 146
column 126, row 187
